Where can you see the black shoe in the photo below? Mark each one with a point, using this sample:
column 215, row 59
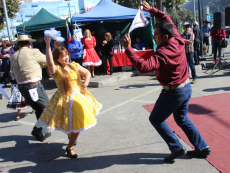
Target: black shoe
column 172, row 156
column 37, row 133
column 17, row 118
column 69, row 154
column 200, row 154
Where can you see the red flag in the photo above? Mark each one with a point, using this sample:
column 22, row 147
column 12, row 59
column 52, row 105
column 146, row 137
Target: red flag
column 68, row 39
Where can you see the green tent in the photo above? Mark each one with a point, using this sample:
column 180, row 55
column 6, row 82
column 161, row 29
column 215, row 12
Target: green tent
column 43, row 20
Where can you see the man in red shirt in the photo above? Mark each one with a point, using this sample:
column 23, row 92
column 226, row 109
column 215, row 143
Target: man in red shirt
column 216, row 40
column 170, row 64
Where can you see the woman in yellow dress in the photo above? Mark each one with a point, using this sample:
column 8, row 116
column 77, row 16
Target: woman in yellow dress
column 72, row 108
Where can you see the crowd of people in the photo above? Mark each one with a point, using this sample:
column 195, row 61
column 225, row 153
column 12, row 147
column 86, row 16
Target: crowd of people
column 73, row 109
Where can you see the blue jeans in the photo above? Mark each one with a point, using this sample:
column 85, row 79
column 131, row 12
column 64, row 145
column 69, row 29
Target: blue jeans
column 191, row 64
column 215, row 48
column 175, row 101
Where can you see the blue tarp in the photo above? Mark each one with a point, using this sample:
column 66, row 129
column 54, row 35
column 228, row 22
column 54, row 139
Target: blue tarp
column 107, row 10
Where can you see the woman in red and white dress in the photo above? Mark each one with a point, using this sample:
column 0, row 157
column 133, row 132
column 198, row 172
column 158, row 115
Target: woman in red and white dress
column 90, row 57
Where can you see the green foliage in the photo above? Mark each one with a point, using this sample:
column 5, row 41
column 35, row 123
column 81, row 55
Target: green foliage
column 12, row 8
column 182, row 15
column 131, row 3
column 170, row 5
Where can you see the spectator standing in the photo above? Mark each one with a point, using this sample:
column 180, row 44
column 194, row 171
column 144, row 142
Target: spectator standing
column 188, row 37
column 90, row 57
column 107, row 52
column 0, row 44
column 75, row 48
column 26, row 66
column 206, row 34
column 216, row 40
column 169, row 62
column 98, row 40
column 6, row 52
column 212, row 41
column 196, row 32
column 17, row 101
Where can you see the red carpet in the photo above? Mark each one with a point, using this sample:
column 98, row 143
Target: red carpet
column 211, row 116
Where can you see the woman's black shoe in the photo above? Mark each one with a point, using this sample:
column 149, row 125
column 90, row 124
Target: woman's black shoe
column 69, row 154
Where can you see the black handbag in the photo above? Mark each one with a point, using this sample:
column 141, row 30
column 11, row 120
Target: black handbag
column 223, row 43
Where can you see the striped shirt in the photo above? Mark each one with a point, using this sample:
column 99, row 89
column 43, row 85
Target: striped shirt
column 189, row 36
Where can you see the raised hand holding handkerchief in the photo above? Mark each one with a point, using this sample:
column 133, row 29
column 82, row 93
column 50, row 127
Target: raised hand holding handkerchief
column 54, row 34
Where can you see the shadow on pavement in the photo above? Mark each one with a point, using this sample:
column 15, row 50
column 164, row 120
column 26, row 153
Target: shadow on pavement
column 217, row 89
column 8, row 117
column 137, row 86
column 50, row 157
column 94, row 163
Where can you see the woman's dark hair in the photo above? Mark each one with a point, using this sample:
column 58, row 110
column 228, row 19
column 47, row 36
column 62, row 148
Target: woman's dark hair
column 165, row 27
column 8, row 44
column 23, row 43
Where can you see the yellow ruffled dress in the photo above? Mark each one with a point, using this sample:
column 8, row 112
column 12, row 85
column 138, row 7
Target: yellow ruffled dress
column 74, row 112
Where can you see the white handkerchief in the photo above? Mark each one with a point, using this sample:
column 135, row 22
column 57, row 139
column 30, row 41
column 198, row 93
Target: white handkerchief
column 34, row 94
column 139, row 21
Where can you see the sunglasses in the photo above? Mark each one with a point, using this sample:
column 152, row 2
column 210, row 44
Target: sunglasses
column 106, row 35
column 186, row 26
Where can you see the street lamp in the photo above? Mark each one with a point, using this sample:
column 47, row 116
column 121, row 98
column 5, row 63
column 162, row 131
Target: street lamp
column 21, row 13
column 68, row 3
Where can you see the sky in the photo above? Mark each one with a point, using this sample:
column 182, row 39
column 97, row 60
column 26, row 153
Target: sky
column 58, row 8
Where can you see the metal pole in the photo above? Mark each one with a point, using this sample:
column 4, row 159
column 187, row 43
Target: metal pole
column 194, row 11
column 12, row 28
column 6, row 18
column 69, row 12
column 201, row 33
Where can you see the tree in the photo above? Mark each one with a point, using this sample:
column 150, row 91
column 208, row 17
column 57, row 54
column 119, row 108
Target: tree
column 12, row 8
column 182, row 15
column 171, row 5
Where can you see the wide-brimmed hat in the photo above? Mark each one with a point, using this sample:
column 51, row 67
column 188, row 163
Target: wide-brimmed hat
column 186, row 24
column 195, row 23
column 24, row 38
column 206, row 21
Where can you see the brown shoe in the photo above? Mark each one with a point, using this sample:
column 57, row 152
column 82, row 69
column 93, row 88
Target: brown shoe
column 194, row 81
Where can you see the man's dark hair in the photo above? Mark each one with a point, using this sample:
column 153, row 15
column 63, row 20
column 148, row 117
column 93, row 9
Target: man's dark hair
column 165, row 27
column 23, row 43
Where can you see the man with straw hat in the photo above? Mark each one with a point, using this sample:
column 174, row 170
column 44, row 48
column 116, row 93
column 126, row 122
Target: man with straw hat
column 26, row 69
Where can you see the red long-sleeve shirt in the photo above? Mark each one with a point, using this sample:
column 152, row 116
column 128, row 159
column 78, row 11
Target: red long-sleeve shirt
column 215, row 35
column 169, row 61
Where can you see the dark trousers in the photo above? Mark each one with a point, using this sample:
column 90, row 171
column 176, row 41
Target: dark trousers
column 77, row 60
column 206, row 41
column 191, row 64
column 216, row 49
column 196, row 51
column 104, row 63
column 41, row 103
column 175, row 101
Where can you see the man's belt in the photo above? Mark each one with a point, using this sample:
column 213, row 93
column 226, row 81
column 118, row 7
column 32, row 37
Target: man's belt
column 29, row 84
column 176, row 86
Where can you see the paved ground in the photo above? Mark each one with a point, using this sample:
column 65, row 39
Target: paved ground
column 122, row 141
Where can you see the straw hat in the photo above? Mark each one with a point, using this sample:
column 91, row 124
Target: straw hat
column 24, row 38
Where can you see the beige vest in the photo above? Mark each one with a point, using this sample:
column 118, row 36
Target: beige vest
column 26, row 64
